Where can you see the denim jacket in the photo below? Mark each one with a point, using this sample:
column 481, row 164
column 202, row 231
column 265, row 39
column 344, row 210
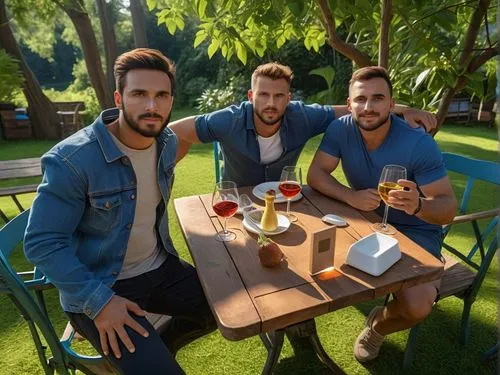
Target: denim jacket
column 81, row 218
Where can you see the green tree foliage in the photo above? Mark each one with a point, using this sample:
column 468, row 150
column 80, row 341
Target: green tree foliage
column 11, row 78
column 433, row 46
column 217, row 98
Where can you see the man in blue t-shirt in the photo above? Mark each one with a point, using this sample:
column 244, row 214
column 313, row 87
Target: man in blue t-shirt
column 261, row 136
column 366, row 141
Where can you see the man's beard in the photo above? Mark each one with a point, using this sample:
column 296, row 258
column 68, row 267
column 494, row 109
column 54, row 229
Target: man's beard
column 373, row 126
column 269, row 122
column 150, row 133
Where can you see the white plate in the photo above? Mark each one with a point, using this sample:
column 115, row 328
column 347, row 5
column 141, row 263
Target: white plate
column 283, row 225
column 260, row 191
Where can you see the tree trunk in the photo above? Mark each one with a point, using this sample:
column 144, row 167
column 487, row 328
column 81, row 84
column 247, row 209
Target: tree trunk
column 138, row 23
column 468, row 64
column 43, row 116
column 75, row 9
column 109, row 38
column 385, row 26
column 349, row 50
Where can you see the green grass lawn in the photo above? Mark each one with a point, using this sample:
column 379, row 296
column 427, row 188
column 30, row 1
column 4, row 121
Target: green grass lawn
column 437, row 352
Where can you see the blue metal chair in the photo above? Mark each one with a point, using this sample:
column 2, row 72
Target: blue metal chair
column 64, row 360
column 219, row 162
column 463, row 278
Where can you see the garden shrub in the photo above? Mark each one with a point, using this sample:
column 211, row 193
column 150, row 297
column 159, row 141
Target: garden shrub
column 11, row 78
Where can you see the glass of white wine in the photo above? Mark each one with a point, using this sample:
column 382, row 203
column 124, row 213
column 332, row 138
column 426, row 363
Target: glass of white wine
column 388, row 182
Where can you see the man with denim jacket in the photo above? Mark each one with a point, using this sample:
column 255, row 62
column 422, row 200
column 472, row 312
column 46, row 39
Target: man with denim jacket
column 98, row 227
column 268, row 132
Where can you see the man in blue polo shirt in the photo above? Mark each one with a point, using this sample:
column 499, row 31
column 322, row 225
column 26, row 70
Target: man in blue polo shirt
column 261, row 136
column 366, row 141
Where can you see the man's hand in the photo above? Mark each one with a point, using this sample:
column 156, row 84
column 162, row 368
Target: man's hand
column 364, row 200
column 111, row 321
column 405, row 200
column 417, row 118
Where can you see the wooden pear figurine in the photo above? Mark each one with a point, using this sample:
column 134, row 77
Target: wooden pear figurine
column 270, row 254
column 269, row 221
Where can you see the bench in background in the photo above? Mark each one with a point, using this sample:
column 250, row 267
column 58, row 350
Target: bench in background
column 460, row 110
column 14, row 125
column 18, row 169
column 70, row 117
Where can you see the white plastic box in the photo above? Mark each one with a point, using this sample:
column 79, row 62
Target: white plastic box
column 374, row 254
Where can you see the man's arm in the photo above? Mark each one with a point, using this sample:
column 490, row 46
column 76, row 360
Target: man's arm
column 186, row 133
column 415, row 117
column 319, row 177
column 438, row 206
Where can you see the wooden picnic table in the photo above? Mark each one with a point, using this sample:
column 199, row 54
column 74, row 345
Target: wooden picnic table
column 19, row 168
column 248, row 299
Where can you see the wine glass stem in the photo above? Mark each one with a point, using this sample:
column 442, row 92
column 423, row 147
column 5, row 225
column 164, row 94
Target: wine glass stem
column 225, row 225
column 384, row 220
column 288, row 206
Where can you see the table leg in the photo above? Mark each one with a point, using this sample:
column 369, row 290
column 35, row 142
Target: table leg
column 273, row 341
column 307, row 329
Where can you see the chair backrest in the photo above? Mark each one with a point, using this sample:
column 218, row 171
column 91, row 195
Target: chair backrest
column 474, row 169
column 33, row 310
column 487, row 171
column 218, row 161
column 11, row 235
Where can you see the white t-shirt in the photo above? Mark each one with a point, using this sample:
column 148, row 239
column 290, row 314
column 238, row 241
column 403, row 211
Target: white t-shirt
column 143, row 253
column 270, row 148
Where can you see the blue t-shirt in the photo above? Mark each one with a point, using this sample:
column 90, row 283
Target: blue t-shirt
column 411, row 148
column 234, row 129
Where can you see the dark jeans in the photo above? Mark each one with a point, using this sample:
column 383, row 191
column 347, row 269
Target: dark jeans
column 173, row 289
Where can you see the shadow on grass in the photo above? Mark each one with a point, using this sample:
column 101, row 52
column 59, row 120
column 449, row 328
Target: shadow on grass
column 303, row 362
column 437, row 350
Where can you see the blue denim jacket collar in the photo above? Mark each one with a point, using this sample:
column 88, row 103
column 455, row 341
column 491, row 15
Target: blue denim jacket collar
column 108, row 147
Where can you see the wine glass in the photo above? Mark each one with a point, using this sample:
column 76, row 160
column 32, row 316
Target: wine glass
column 290, row 185
column 245, row 203
column 225, row 204
column 388, row 182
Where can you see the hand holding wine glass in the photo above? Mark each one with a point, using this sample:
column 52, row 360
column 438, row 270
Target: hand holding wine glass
column 225, row 204
column 290, row 185
column 388, row 182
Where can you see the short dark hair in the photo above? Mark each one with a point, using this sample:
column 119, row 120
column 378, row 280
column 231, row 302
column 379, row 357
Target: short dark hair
column 369, row 72
column 142, row 58
column 273, row 70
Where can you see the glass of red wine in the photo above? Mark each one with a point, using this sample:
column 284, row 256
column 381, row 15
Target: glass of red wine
column 290, row 185
column 225, row 204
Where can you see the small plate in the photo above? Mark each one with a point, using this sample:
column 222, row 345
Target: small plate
column 283, row 225
column 260, row 191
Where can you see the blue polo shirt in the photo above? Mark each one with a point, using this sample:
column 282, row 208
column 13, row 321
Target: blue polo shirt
column 234, row 129
column 411, row 148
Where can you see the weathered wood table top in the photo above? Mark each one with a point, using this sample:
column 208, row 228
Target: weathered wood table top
column 248, row 299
